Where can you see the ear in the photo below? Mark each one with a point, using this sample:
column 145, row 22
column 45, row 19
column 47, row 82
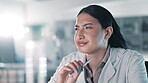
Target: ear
column 108, row 32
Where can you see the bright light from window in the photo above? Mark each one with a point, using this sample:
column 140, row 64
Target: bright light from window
column 30, row 45
column 11, row 24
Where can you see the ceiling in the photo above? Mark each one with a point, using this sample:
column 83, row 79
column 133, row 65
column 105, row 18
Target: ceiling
column 49, row 10
column 62, row 3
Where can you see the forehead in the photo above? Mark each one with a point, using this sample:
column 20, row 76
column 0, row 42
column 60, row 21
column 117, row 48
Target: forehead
column 86, row 18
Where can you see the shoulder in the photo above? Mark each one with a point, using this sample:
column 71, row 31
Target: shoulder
column 73, row 56
column 127, row 58
column 68, row 58
column 125, row 53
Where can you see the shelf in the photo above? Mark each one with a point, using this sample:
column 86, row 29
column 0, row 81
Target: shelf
column 135, row 32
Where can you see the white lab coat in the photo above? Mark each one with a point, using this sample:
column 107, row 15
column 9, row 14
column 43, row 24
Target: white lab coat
column 123, row 66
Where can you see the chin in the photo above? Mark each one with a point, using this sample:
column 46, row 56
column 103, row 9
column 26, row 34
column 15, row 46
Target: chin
column 83, row 50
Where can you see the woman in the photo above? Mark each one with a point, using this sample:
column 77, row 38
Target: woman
column 98, row 37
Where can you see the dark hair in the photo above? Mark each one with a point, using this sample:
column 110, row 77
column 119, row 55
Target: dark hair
column 106, row 19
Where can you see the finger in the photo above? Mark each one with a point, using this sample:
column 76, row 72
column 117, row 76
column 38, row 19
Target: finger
column 81, row 66
column 80, row 62
column 73, row 66
column 77, row 64
column 65, row 69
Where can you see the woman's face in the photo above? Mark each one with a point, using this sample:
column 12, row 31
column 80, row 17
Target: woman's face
column 89, row 34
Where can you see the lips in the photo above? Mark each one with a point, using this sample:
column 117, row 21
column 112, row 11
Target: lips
column 81, row 43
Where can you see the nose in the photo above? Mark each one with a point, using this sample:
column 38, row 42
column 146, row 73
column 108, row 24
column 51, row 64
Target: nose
column 80, row 34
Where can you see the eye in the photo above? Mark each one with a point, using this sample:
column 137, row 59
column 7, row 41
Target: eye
column 88, row 27
column 76, row 29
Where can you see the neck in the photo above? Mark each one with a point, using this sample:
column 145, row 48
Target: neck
column 97, row 57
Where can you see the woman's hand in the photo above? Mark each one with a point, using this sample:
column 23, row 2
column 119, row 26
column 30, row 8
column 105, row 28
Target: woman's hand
column 63, row 74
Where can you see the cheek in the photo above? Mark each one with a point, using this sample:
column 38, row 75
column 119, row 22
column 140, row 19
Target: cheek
column 74, row 38
column 93, row 38
column 96, row 38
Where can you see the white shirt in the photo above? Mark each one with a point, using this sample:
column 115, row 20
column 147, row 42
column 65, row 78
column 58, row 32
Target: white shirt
column 123, row 66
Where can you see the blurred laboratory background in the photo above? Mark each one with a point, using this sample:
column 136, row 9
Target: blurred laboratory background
column 36, row 34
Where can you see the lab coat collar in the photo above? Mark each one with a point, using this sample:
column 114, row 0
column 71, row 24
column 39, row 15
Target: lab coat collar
column 108, row 71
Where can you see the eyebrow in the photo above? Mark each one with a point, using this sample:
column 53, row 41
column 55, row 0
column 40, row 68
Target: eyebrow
column 85, row 24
